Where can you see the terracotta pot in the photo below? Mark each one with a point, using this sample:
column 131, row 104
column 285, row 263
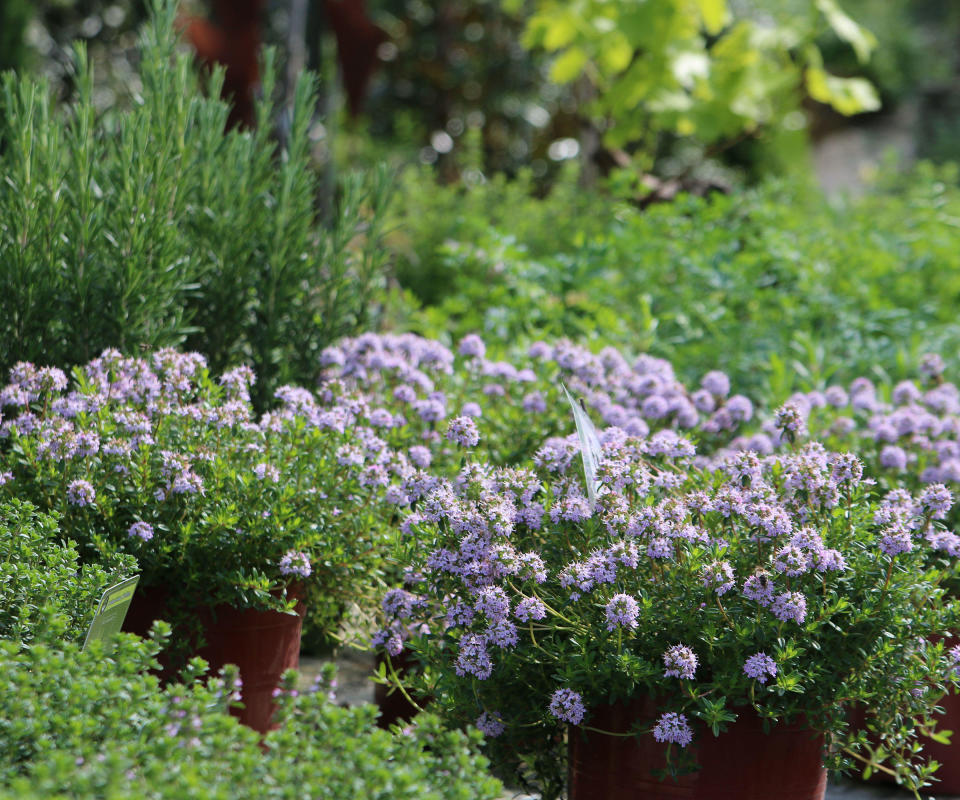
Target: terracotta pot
column 263, row 644
column 744, row 763
column 394, row 707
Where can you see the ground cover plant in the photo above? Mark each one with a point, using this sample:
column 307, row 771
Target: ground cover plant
column 153, row 226
column 96, row 724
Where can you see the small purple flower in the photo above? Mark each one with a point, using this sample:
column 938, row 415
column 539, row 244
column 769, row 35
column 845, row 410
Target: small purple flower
column 267, row 472
column 539, row 350
column 141, row 530
column 673, row 727
column 936, row 500
column 5, row 478
column 739, row 408
column 718, row 576
column 791, row 560
column 895, row 541
column 759, row 587
column 420, row 455
column 490, row 723
column 837, row 396
column 493, row 603
column 654, row 407
column 530, row 608
column 954, row 655
column 680, row 662
column 789, row 419
column 567, row 706
column 471, row 409
column 790, row 605
column 463, row 431
column 473, row 658
column 759, row 666
column 502, row 633
column 622, row 611
column 81, row 493
column 717, row 383
column 295, row 563
column 472, row 345
column 533, row 403
column 893, row 457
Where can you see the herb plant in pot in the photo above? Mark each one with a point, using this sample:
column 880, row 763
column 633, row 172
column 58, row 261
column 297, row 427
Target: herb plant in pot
column 697, row 634
column 237, row 523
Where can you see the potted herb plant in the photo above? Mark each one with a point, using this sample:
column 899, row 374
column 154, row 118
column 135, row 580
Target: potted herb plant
column 236, row 522
column 671, row 620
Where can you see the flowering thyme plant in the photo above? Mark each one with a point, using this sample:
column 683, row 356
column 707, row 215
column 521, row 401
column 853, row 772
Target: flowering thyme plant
column 156, row 459
column 414, row 386
column 785, row 583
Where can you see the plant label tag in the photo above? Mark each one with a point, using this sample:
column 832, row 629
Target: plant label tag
column 112, row 610
column 590, row 448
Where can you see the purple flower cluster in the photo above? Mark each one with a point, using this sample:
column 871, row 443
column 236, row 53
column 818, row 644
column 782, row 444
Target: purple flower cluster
column 673, row 729
column 760, row 667
column 463, row 431
column 622, row 612
column 295, row 563
column 567, row 706
column 680, row 662
column 490, row 724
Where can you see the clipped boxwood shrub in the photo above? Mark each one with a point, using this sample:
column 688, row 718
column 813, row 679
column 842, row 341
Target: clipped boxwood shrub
column 40, row 574
column 94, row 724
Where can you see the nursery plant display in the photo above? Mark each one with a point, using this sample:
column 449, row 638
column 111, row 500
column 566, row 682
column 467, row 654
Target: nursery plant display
column 155, row 459
column 784, row 589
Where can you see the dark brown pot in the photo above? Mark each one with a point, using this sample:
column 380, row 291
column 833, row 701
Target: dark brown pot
column 948, row 773
column 263, row 644
column 948, row 755
column 394, row 706
column 744, row 763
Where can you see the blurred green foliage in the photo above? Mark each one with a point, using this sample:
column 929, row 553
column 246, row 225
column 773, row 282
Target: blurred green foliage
column 773, row 285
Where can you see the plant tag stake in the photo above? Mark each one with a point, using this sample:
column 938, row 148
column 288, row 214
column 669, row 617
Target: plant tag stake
column 589, row 445
column 112, row 610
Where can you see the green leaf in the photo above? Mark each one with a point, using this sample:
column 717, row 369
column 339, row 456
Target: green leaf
column 715, row 15
column 568, row 66
column 846, row 95
column 859, row 38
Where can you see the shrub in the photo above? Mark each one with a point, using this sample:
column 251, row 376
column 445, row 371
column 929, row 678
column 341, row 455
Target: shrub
column 40, row 575
column 773, row 285
column 153, row 226
column 158, row 460
column 94, row 724
column 782, row 583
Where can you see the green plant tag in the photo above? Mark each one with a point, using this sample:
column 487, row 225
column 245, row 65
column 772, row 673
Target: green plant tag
column 112, row 610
